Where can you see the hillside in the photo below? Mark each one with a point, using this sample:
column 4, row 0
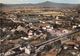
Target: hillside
column 44, row 4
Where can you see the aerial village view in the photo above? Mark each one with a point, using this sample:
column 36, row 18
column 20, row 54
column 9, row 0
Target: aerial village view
column 39, row 27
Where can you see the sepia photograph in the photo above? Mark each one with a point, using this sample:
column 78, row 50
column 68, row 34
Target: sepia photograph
column 39, row 27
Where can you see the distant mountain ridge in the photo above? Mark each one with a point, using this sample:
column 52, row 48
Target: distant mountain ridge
column 44, row 4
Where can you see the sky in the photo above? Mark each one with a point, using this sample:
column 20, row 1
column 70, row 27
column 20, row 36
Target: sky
column 38, row 1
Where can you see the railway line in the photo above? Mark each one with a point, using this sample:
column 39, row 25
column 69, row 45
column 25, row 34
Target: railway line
column 65, row 37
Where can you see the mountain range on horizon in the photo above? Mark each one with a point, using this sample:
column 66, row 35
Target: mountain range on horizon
column 43, row 4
